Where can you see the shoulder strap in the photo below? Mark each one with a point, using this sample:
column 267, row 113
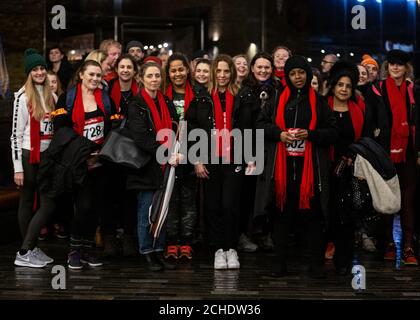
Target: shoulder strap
column 70, row 97
column 107, row 102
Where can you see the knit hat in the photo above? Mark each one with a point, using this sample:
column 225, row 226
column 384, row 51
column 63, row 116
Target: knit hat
column 152, row 59
column 398, row 57
column 33, row 59
column 367, row 59
column 134, row 44
column 298, row 62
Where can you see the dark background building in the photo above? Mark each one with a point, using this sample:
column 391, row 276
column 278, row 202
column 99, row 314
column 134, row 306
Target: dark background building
column 235, row 26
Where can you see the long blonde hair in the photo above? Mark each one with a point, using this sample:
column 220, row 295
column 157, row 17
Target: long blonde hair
column 232, row 86
column 34, row 99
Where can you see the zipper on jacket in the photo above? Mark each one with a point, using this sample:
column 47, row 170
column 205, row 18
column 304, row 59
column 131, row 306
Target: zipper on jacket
column 319, row 171
column 294, row 126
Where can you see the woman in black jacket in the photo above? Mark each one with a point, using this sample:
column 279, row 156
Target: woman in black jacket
column 298, row 129
column 215, row 113
column 258, row 88
column 148, row 113
column 399, row 132
column 88, row 110
column 349, row 111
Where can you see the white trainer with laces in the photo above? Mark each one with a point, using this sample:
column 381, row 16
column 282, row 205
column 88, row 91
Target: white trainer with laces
column 220, row 261
column 232, row 259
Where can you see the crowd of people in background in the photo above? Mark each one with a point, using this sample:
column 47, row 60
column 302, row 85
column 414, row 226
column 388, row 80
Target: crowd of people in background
column 311, row 118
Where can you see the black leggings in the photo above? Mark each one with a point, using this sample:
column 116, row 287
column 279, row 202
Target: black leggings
column 89, row 203
column 31, row 223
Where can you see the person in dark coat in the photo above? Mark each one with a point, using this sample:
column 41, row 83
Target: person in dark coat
column 88, row 110
column 57, row 62
column 399, row 130
column 298, row 130
column 257, row 89
column 349, row 111
column 215, row 112
column 149, row 112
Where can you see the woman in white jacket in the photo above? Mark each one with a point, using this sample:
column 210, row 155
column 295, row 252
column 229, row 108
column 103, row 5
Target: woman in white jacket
column 31, row 135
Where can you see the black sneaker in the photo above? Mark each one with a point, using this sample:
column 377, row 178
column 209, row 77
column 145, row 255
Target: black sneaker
column 90, row 258
column 74, row 261
column 152, row 263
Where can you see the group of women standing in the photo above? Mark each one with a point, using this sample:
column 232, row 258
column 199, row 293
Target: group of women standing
column 306, row 135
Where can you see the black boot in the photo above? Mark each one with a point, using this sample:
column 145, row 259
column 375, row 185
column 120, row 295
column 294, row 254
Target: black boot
column 152, row 263
column 163, row 262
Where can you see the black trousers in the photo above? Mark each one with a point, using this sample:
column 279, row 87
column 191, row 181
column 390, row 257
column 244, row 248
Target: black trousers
column 121, row 204
column 309, row 221
column 221, row 205
column 31, row 223
column 89, row 204
column 182, row 213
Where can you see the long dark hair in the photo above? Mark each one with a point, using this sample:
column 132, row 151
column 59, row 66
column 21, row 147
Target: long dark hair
column 181, row 57
column 251, row 81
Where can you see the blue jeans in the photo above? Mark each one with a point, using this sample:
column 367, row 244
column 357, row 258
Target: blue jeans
column 143, row 226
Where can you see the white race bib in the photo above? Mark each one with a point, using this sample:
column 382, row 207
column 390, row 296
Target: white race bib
column 47, row 128
column 296, row 148
column 94, row 129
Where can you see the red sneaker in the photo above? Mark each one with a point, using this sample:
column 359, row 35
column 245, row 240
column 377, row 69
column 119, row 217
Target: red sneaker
column 409, row 258
column 172, row 252
column 329, row 252
column 390, row 252
column 186, row 252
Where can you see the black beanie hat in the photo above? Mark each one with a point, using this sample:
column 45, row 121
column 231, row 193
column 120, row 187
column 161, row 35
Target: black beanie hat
column 134, row 44
column 398, row 57
column 33, row 59
column 298, row 62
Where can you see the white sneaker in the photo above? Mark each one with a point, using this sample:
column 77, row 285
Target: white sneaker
column 220, row 261
column 245, row 244
column 232, row 259
column 28, row 260
column 41, row 256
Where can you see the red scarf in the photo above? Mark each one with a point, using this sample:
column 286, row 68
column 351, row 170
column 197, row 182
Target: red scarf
column 400, row 128
column 223, row 132
column 307, row 183
column 78, row 114
column 189, row 95
column 116, row 92
column 162, row 120
column 357, row 111
column 35, row 152
column 280, row 74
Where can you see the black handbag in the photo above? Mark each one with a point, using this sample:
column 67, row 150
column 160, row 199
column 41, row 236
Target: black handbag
column 120, row 149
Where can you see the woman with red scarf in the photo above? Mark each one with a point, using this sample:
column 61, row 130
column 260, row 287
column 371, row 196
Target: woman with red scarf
column 148, row 113
column 88, row 110
column 299, row 129
column 182, row 209
column 349, row 111
column 122, row 204
column 398, row 134
column 31, row 135
column 214, row 112
column 280, row 56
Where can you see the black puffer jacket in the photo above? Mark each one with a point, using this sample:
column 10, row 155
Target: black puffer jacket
column 141, row 128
